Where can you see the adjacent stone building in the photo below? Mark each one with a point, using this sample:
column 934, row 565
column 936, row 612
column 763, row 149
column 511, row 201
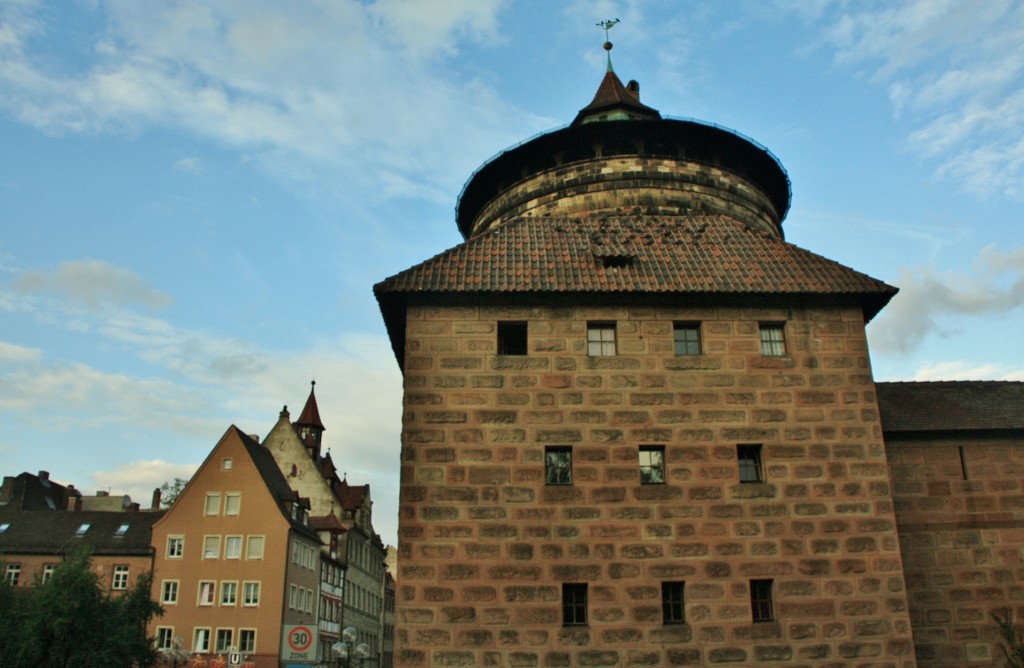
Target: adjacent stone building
column 639, row 427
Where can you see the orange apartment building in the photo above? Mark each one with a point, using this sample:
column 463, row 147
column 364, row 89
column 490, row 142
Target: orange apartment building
column 237, row 563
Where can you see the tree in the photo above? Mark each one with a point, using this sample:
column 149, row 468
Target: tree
column 169, row 491
column 1013, row 643
column 72, row 620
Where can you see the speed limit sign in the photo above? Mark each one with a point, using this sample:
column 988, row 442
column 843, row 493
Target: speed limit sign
column 299, row 643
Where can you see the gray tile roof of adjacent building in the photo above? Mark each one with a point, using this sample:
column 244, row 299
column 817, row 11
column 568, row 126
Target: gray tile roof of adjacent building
column 57, row 532
column 951, row 406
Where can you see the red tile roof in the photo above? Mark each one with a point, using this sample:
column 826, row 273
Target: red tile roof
column 951, row 406
column 656, row 254
column 611, row 94
column 310, row 413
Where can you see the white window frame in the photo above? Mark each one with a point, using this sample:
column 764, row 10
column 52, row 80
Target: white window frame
column 175, row 547
column 209, row 586
column 228, row 540
column 201, row 633
column 12, row 574
column 602, row 339
column 209, row 553
column 164, row 637
column 169, row 592
column 227, row 586
column 220, row 646
column 212, row 499
column 243, row 647
column 119, row 578
column 48, row 570
column 250, row 587
column 232, row 499
column 255, row 540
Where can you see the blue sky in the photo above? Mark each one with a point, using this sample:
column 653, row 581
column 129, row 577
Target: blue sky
column 197, row 197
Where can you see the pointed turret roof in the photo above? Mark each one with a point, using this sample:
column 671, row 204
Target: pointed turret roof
column 310, row 416
column 614, row 102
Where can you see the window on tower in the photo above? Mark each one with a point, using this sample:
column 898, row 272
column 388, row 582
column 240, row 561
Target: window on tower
column 749, row 458
column 687, row 338
column 600, row 339
column 558, row 465
column 512, row 338
column 773, row 339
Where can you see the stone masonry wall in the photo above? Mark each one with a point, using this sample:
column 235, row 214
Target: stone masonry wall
column 960, row 523
column 485, row 545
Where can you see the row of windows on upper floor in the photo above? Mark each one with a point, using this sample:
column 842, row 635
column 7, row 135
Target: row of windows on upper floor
column 673, row 602
column 206, row 593
column 225, row 640
column 118, row 575
column 602, row 338
column 558, row 464
column 254, row 546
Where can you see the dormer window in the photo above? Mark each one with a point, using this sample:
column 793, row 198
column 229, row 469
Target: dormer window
column 121, row 530
column 82, row 529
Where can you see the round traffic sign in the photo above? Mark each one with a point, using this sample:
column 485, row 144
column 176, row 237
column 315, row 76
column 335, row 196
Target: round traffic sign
column 300, row 638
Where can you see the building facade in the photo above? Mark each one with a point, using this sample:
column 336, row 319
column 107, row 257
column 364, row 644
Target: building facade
column 639, row 427
column 237, row 563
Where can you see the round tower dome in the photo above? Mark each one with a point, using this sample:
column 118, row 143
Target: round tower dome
column 620, row 155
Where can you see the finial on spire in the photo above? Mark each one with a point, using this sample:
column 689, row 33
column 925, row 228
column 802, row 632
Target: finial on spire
column 608, row 25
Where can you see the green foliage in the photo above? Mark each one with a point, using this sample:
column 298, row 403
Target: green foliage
column 169, row 492
column 72, row 620
column 1013, row 642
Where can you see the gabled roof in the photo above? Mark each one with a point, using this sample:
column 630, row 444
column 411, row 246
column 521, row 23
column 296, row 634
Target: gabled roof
column 611, row 94
column 636, row 255
column 27, row 491
column 351, row 497
column 56, row 533
column 951, row 406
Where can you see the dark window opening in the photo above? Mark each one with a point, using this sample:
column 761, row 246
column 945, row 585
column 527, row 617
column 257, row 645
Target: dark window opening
column 761, row 601
column 512, row 338
column 558, row 465
column 652, row 464
column 749, row 457
column 673, row 610
column 963, row 462
column 616, row 261
column 687, row 338
column 574, row 604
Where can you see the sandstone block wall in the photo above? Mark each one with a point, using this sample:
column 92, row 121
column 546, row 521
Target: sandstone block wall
column 485, row 545
column 960, row 512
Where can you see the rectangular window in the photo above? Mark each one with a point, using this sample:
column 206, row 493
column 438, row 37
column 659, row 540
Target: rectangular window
column 574, row 604
column 206, row 588
column 687, row 338
column 169, row 592
column 233, row 547
column 773, row 339
column 175, row 547
column 212, row 504
column 164, row 637
column 224, row 637
column 232, row 503
column 749, row 457
column 211, row 547
column 309, row 601
column 12, row 574
column 247, row 641
column 673, row 611
column 251, row 594
column 600, row 339
column 228, row 593
column 48, row 572
column 120, row 579
column 558, row 465
column 293, row 595
column 652, row 464
column 254, row 547
column 201, row 641
column 512, row 338
column 761, row 601
column 225, row 464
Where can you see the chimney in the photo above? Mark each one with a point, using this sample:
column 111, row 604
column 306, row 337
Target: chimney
column 44, row 475
column 157, row 496
column 634, row 89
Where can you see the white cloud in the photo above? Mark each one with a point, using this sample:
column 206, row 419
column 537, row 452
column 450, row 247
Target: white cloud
column 10, row 352
column 192, row 164
column 139, row 478
column 928, row 298
column 955, row 69
column 93, row 283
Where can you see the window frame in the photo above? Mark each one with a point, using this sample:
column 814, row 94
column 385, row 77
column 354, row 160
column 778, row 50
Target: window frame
column 164, row 637
column 773, row 339
column 243, row 646
column 250, row 586
column 557, row 473
column 261, row 540
column 574, row 603
column 227, row 545
column 750, row 463
column 762, row 605
column 204, row 632
column 230, row 497
column 223, row 641
column 48, row 570
column 213, row 497
column 225, row 587
column 207, row 541
column 119, row 577
column 683, row 344
column 651, row 467
column 209, row 586
column 673, row 603
column 513, row 338
column 175, row 547
column 602, row 337
column 12, row 574
column 169, row 592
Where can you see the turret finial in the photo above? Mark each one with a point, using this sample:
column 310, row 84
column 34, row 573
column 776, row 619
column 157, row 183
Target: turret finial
column 608, row 25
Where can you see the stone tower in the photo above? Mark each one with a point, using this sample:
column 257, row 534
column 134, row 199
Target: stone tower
column 639, row 427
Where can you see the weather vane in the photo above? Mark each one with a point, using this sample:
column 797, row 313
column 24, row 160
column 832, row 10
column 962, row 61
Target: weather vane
column 608, row 25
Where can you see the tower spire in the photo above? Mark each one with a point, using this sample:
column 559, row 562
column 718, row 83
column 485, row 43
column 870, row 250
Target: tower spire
column 607, row 25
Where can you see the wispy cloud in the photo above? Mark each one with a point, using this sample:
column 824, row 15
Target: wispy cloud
column 343, row 84
column 139, row 478
column 955, row 69
column 929, row 298
column 93, row 283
